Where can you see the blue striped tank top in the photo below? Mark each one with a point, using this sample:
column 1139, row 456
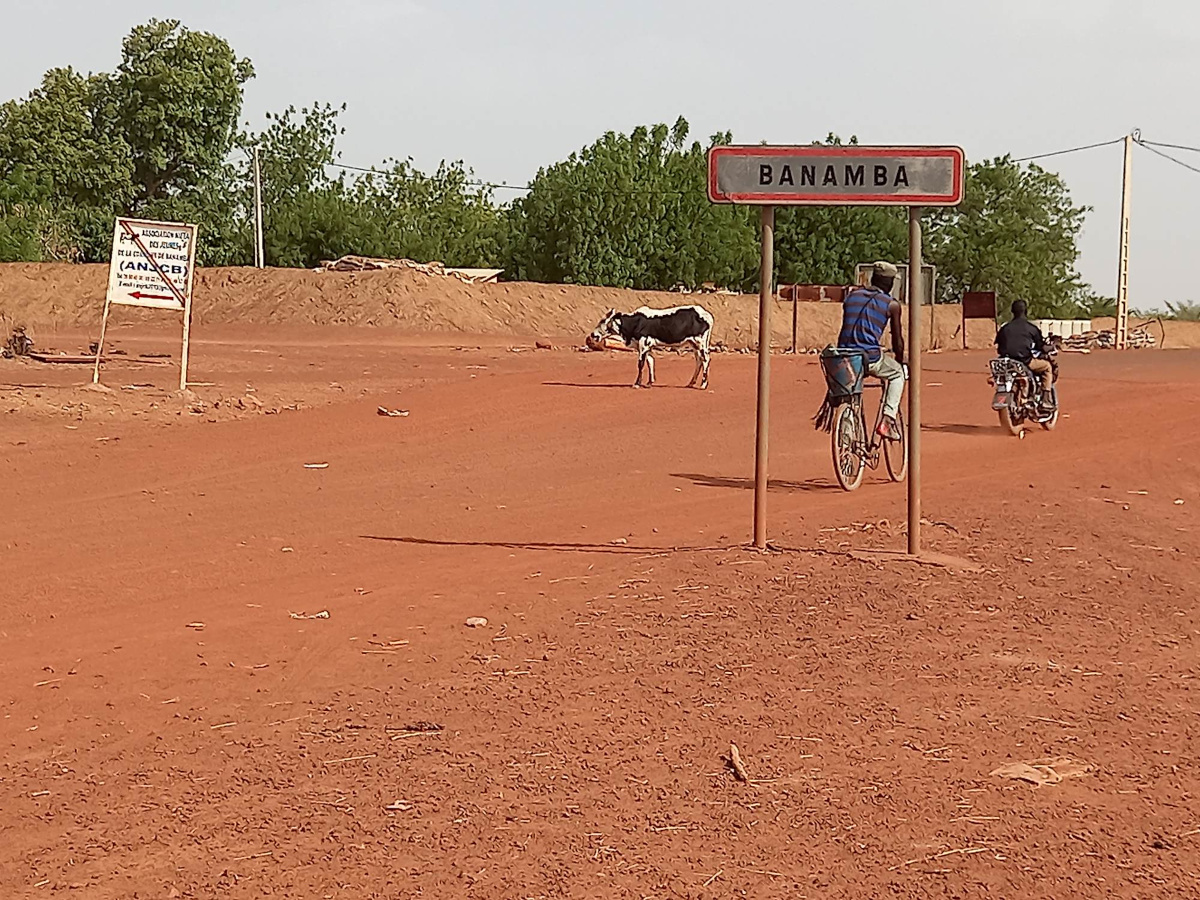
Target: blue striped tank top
column 864, row 317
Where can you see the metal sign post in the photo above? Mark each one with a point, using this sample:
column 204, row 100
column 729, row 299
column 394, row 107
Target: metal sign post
column 770, row 176
column 914, row 380
column 761, row 427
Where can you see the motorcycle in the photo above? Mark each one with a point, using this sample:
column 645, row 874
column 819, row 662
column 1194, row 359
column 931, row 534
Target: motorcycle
column 1018, row 392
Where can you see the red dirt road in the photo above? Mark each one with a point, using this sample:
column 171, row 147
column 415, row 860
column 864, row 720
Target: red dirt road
column 630, row 638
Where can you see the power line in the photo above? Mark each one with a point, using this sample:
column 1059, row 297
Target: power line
column 1069, row 150
column 522, row 187
column 491, row 185
column 1149, row 144
column 1178, row 162
column 375, row 170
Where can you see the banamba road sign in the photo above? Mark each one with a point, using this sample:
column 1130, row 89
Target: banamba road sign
column 152, row 264
column 836, row 176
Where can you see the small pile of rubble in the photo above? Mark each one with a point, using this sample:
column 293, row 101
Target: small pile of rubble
column 18, row 344
column 372, row 264
column 1107, row 340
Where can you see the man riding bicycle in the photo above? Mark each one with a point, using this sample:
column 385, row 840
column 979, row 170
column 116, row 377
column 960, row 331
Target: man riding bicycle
column 1018, row 340
column 866, row 311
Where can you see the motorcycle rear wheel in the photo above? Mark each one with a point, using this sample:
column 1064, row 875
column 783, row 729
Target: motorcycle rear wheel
column 1049, row 424
column 1009, row 423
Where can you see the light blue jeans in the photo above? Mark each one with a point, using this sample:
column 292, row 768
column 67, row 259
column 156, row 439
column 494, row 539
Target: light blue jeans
column 893, row 374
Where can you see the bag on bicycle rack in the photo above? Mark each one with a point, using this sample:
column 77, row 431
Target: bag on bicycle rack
column 844, row 371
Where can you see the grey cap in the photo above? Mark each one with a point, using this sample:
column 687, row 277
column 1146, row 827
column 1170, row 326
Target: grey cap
column 887, row 270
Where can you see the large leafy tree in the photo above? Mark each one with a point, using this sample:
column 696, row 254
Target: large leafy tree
column 440, row 216
column 315, row 210
column 54, row 136
column 151, row 139
column 632, row 211
column 74, row 171
column 175, row 100
column 1016, row 233
column 823, row 244
column 21, row 215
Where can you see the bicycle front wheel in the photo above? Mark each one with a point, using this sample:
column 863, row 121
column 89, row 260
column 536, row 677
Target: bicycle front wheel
column 848, row 445
column 895, row 453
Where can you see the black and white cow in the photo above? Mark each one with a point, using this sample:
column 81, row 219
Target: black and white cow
column 646, row 328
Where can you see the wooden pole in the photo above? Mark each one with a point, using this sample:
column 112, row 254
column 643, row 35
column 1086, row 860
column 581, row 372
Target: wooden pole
column 914, row 380
column 187, row 334
column 766, row 277
column 100, row 345
column 187, row 311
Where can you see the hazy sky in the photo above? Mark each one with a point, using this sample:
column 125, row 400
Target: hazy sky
column 510, row 85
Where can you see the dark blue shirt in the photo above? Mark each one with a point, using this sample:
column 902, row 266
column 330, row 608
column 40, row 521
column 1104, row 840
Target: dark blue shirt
column 864, row 317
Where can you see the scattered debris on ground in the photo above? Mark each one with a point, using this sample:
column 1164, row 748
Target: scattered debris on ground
column 1043, row 771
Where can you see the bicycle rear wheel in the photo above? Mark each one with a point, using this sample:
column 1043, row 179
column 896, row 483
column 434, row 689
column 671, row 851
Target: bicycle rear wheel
column 848, row 444
column 895, row 453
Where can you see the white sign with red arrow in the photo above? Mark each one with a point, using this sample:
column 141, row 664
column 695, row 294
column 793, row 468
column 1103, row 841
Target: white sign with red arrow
column 152, row 264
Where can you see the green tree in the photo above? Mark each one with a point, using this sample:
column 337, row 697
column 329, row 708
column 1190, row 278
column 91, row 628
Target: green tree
column 823, row 244
column 395, row 211
column 1184, row 311
column 297, row 149
column 175, row 99
column 151, row 139
column 442, row 216
column 81, row 172
column 309, row 214
column 1093, row 306
column 1016, row 233
column 21, row 215
column 632, row 211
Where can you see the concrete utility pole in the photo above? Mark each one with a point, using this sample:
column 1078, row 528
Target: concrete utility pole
column 1123, row 256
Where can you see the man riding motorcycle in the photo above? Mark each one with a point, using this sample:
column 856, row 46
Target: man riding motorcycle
column 1018, row 340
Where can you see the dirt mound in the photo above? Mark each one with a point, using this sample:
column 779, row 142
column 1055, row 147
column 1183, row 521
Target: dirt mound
column 43, row 295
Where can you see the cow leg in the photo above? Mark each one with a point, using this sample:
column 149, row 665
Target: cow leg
column 705, row 355
column 650, row 361
column 695, row 344
column 645, row 360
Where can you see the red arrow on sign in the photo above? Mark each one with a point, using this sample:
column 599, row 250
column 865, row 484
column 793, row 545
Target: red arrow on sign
column 138, row 295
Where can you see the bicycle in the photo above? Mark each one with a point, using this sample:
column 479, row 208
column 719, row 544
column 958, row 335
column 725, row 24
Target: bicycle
column 854, row 449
